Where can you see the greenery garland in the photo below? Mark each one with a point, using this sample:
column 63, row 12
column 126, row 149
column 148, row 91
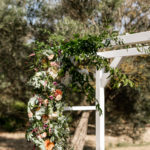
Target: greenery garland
column 49, row 128
column 53, row 62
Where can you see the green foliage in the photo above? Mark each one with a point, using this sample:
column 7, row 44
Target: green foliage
column 68, row 27
column 13, row 115
column 14, row 49
column 136, row 18
column 23, row 21
column 79, row 9
column 109, row 11
column 19, row 105
column 72, row 60
column 128, row 108
column 78, row 59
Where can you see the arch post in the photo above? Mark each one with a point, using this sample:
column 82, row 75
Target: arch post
column 100, row 119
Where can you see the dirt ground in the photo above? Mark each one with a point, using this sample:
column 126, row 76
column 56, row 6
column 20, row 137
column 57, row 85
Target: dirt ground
column 17, row 141
column 118, row 143
column 14, row 141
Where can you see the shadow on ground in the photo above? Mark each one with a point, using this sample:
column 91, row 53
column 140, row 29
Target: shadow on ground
column 14, row 144
column 88, row 148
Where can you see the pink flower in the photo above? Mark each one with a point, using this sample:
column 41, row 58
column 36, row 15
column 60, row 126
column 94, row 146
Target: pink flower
column 39, row 136
column 55, row 83
column 50, row 130
column 45, row 126
column 40, row 101
column 59, row 51
column 35, row 130
column 45, row 83
column 32, row 54
column 44, row 135
column 50, row 57
column 51, row 97
column 45, row 102
column 30, row 114
column 36, row 69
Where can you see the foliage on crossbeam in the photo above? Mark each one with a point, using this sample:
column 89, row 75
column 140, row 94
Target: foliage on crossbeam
column 63, row 66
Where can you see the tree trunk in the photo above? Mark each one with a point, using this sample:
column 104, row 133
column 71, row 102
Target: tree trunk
column 78, row 140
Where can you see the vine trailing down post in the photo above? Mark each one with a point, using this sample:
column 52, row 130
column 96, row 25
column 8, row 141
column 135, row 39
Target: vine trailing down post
column 48, row 127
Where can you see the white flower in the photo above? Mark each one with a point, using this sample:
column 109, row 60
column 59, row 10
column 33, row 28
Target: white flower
column 37, row 79
column 53, row 115
column 53, row 89
column 41, row 73
column 50, row 57
column 47, row 52
column 39, row 113
column 42, row 82
column 58, row 97
column 43, row 135
column 32, row 102
column 52, row 73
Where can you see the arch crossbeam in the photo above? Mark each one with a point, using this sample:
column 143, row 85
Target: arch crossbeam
column 102, row 78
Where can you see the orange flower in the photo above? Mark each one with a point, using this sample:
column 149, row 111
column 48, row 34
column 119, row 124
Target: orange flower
column 49, row 145
column 58, row 92
column 38, row 109
column 43, row 61
column 45, row 119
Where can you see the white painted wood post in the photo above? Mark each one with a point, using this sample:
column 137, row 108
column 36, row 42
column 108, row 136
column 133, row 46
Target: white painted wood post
column 100, row 120
column 114, row 64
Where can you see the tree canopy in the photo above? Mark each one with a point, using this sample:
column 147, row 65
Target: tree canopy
column 24, row 22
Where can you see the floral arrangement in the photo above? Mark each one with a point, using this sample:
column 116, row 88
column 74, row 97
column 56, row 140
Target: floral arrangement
column 48, row 128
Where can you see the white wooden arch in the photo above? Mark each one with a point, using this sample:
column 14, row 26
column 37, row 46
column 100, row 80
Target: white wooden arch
column 102, row 79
